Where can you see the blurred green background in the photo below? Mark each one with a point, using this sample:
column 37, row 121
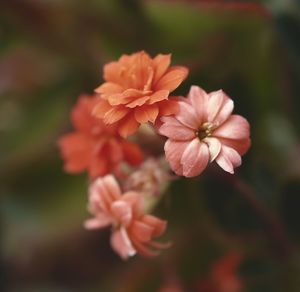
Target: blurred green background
column 53, row 50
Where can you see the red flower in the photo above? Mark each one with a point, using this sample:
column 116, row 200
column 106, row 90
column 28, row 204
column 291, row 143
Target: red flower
column 94, row 146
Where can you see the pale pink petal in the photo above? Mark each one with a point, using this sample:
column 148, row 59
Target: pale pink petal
column 174, row 151
column 112, row 186
column 194, row 158
column 122, row 212
column 198, row 99
column 228, row 159
column 136, row 201
column 98, row 199
column 236, row 127
column 104, row 191
column 214, row 147
column 121, row 244
column 224, row 111
column 215, row 102
column 101, row 221
column 187, row 115
column 173, row 129
column 241, row 146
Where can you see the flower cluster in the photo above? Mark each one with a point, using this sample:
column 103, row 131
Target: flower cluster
column 200, row 129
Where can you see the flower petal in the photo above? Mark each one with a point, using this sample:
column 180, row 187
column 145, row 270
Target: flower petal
column 174, row 130
column 103, row 191
column 109, row 88
column 159, row 226
column 101, row 108
column 141, row 231
column 81, row 117
column 98, row 166
column 214, row 147
column 194, row 158
column 241, row 146
column 115, row 114
column 198, row 99
column 111, row 72
column 76, row 149
column 168, row 107
column 228, row 159
column 132, row 153
column 158, row 96
column 174, row 151
column 112, row 186
column 161, row 64
column 172, row 79
column 122, row 212
column 146, row 113
column 136, row 200
column 125, row 97
column 144, row 250
column 236, row 127
column 187, row 115
column 101, row 221
column 225, row 109
column 121, row 244
column 215, row 102
column 138, row 102
column 128, row 126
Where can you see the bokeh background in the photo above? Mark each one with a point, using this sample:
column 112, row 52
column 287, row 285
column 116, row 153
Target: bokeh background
column 53, row 50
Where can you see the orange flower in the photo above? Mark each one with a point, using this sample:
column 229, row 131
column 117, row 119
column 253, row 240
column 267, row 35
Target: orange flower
column 94, row 146
column 136, row 90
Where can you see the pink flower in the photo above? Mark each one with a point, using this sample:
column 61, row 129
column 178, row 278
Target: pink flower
column 204, row 130
column 133, row 230
column 150, row 178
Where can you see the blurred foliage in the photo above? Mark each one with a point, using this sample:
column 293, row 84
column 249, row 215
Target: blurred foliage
column 52, row 51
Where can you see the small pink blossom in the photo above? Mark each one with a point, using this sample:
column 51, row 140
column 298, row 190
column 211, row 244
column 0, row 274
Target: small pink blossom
column 150, row 178
column 133, row 230
column 204, row 130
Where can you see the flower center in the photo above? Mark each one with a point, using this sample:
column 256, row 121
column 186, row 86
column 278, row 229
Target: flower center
column 205, row 130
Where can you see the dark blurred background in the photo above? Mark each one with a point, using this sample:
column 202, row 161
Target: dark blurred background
column 53, row 50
